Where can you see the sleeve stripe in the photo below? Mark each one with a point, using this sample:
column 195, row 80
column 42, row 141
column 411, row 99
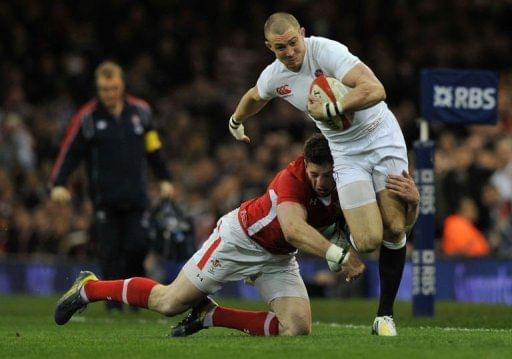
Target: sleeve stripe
column 132, row 100
column 70, row 135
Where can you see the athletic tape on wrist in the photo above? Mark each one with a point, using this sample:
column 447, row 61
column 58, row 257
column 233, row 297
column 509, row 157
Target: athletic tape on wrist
column 234, row 124
column 336, row 254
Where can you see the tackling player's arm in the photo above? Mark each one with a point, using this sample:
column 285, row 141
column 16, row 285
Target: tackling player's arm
column 292, row 219
column 250, row 104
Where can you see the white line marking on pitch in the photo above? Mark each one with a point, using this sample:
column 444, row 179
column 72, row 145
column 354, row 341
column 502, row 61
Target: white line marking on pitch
column 449, row 329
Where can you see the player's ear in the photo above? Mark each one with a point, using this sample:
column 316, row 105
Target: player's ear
column 302, row 31
column 268, row 45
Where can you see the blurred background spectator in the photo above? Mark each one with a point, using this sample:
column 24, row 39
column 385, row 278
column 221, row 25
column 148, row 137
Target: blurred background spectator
column 192, row 60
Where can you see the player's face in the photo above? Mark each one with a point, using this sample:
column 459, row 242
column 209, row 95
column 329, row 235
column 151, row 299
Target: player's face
column 110, row 91
column 289, row 47
column 321, row 178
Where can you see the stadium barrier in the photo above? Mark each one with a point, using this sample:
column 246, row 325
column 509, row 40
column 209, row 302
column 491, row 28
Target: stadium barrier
column 463, row 280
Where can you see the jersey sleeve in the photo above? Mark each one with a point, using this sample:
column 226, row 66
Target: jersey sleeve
column 334, row 57
column 71, row 152
column 264, row 84
column 153, row 147
column 290, row 189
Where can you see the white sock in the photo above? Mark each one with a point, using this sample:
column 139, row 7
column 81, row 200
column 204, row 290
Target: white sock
column 395, row 246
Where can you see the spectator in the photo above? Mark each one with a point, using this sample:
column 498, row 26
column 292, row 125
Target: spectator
column 460, row 235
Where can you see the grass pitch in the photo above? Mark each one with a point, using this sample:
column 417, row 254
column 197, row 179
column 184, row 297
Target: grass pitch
column 341, row 330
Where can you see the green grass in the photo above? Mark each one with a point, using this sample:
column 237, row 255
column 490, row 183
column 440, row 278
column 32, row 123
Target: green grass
column 341, row 330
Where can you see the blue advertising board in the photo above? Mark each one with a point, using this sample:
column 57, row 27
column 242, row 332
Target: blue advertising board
column 462, row 280
column 459, row 96
column 423, row 255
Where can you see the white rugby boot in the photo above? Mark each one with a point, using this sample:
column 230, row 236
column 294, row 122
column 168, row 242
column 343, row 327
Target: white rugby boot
column 384, row 326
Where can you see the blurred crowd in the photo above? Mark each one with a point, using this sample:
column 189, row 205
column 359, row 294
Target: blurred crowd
column 192, row 60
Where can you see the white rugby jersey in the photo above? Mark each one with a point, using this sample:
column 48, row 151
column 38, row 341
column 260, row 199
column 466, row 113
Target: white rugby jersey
column 334, row 60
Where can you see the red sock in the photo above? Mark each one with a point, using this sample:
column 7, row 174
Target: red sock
column 250, row 322
column 134, row 291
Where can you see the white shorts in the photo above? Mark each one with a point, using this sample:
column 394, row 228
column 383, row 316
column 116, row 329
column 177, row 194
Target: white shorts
column 230, row 255
column 362, row 172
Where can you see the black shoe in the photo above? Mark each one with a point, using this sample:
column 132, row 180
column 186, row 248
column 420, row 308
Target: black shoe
column 194, row 321
column 71, row 301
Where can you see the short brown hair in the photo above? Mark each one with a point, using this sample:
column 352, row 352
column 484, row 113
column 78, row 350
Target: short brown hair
column 317, row 151
column 279, row 22
column 108, row 69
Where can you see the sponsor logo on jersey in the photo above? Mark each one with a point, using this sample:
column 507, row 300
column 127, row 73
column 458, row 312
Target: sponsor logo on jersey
column 135, row 120
column 101, row 125
column 284, row 90
column 214, row 264
column 137, row 126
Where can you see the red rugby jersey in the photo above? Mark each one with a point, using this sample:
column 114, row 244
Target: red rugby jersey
column 258, row 216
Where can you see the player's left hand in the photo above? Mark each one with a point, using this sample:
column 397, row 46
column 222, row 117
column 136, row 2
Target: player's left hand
column 166, row 189
column 316, row 108
column 236, row 129
column 354, row 267
column 404, row 187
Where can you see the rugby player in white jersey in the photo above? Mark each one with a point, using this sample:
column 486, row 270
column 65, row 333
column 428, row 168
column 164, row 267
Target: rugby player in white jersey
column 366, row 151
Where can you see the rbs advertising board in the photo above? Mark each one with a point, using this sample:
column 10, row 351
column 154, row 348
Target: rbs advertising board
column 459, row 96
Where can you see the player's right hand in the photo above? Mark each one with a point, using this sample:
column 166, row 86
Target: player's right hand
column 354, row 267
column 404, row 187
column 237, row 130
column 60, row 194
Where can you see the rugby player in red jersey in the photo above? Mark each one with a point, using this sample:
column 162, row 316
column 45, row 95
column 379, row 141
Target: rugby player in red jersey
column 256, row 242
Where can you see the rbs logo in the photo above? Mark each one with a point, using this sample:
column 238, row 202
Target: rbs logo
column 468, row 98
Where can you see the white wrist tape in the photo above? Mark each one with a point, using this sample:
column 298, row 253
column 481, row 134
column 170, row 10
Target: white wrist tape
column 332, row 109
column 236, row 128
column 336, row 254
column 233, row 123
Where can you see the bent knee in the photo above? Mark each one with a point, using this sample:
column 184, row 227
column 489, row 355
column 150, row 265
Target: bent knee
column 368, row 243
column 301, row 331
column 295, row 324
column 395, row 228
column 296, row 329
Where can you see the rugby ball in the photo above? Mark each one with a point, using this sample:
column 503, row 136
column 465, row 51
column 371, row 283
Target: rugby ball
column 330, row 89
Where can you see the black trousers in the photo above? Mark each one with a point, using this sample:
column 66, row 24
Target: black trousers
column 122, row 243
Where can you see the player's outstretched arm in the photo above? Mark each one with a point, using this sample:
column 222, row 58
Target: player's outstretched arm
column 250, row 104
